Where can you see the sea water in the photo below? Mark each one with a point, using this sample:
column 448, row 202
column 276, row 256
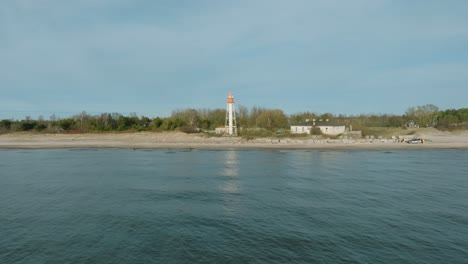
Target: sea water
column 233, row 206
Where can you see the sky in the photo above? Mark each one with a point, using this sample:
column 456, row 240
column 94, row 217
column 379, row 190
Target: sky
column 152, row 57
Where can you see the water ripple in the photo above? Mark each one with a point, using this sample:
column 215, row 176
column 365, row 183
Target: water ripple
column 233, row 206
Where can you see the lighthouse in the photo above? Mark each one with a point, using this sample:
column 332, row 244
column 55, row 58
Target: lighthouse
column 231, row 126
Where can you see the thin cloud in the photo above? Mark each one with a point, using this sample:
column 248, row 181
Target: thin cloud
column 145, row 54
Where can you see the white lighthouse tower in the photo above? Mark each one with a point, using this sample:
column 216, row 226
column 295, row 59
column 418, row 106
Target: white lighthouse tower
column 231, row 126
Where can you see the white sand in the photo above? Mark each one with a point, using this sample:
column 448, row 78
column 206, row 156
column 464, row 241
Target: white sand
column 155, row 140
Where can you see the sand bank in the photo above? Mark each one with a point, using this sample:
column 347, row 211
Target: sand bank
column 153, row 140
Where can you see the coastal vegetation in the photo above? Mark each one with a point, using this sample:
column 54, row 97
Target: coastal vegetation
column 254, row 121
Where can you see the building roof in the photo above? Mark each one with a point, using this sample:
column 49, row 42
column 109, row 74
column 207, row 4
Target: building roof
column 318, row 123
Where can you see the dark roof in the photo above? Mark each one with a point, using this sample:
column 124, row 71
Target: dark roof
column 319, row 123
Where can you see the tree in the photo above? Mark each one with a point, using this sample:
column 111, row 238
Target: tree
column 452, row 117
column 316, row 131
column 167, row 124
column 144, row 122
column 53, row 118
column 216, row 118
column 156, row 122
column 243, row 115
column 126, row 122
column 302, row 117
column 66, row 124
column 40, row 127
column 5, row 124
column 423, row 114
column 27, row 125
column 254, row 113
column 395, row 121
column 187, row 117
column 272, row 119
column 82, row 120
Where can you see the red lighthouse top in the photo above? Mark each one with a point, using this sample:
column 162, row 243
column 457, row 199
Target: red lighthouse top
column 230, row 98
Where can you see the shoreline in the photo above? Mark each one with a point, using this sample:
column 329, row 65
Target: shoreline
column 178, row 140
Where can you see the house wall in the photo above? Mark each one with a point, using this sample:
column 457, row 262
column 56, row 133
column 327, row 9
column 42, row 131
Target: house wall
column 221, row 130
column 327, row 130
column 332, row 130
column 301, row 129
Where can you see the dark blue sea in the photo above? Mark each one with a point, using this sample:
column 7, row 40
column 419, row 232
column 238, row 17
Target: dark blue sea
column 233, row 206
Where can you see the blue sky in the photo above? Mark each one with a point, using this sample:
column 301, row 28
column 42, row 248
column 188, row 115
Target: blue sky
column 152, row 57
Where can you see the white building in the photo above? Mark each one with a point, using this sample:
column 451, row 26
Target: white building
column 326, row 127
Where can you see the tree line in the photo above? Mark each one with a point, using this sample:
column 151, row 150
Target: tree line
column 193, row 120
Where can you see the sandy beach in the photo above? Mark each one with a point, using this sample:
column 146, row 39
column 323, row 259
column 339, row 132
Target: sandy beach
column 158, row 140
